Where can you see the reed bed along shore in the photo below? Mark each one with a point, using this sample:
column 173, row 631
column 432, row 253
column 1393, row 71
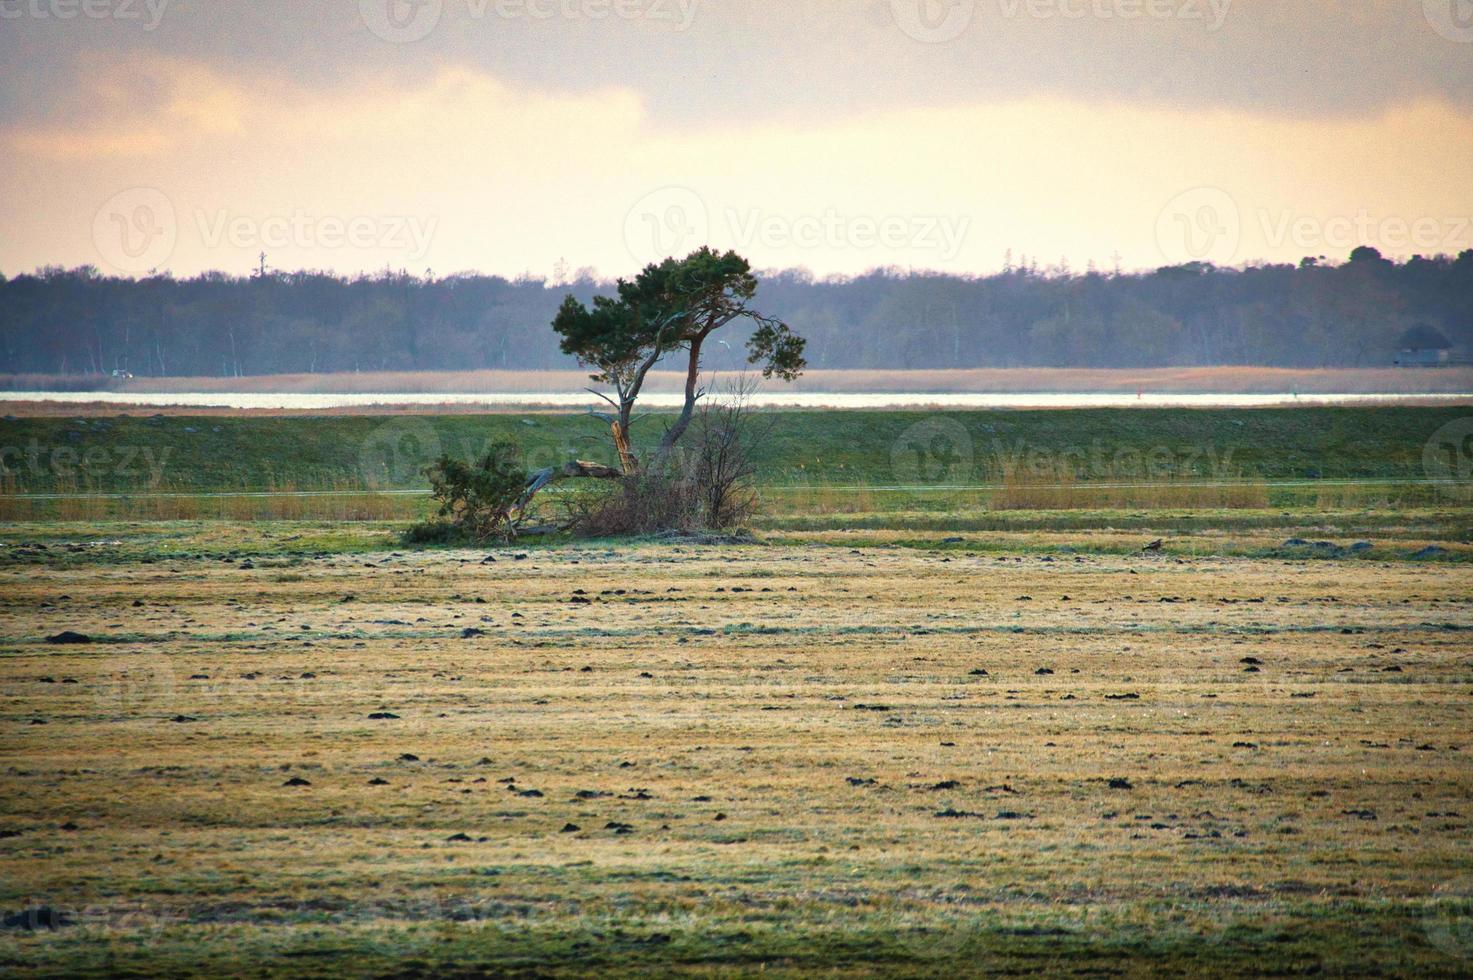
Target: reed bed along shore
column 1221, row 380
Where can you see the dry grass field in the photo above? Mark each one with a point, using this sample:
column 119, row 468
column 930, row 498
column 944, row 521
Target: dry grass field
column 717, row 759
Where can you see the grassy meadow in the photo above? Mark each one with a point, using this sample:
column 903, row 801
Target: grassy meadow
column 942, row 715
column 805, row 448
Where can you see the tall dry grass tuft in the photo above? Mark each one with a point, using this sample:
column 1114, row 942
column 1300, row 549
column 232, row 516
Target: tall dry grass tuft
column 78, row 504
column 81, row 503
column 1222, row 379
column 1061, row 489
column 818, row 498
column 1350, row 497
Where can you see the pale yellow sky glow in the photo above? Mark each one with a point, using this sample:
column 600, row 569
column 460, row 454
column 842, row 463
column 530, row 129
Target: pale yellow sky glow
column 460, row 168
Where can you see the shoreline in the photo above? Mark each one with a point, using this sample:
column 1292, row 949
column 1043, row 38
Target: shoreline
column 1235, row 380
column 61, row 404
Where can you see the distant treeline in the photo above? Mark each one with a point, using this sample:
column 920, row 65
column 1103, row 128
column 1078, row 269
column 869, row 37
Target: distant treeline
column 77, row 321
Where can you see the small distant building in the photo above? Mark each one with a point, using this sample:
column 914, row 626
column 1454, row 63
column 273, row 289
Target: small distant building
column 1423, row 346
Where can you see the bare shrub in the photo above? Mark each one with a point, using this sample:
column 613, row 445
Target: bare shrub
column 721, row 460
column 641, row 503
column 709, row 484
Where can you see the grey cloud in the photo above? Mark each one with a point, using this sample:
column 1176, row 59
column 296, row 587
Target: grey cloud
column 784, row 59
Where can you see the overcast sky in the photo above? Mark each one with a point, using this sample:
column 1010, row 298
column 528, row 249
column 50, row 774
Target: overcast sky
column 514, row 136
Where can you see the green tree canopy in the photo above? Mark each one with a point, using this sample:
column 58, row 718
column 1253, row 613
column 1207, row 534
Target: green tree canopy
column 668, row 308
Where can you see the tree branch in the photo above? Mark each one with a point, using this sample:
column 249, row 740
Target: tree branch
column 606, row 398
column 574, row 468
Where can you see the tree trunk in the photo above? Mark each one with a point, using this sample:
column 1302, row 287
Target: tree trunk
column 692, row 373
column 627, row 461
column 572, row 469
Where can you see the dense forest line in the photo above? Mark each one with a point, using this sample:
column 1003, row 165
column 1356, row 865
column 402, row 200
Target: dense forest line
column 1315, row 314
